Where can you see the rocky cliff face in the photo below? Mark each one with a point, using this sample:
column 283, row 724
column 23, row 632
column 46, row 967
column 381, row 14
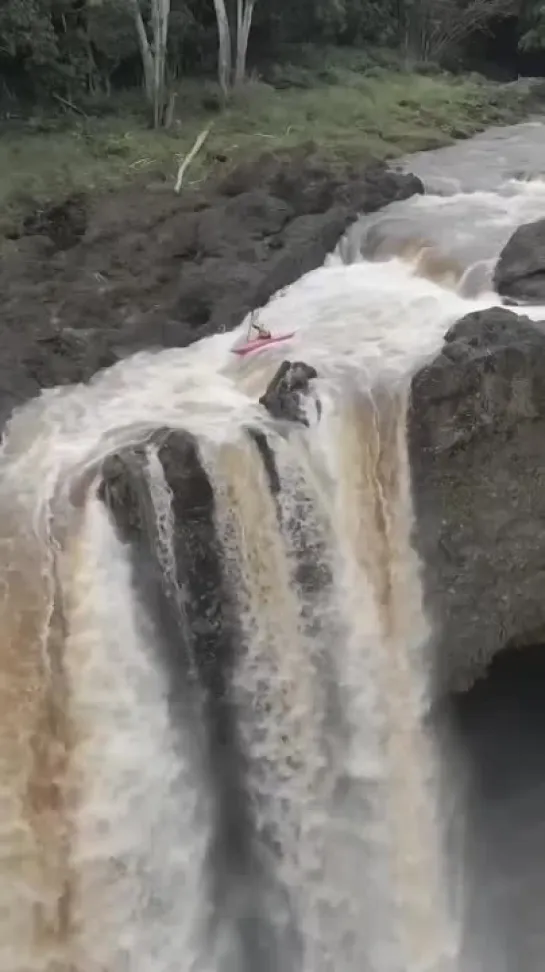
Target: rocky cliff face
column 477, row 446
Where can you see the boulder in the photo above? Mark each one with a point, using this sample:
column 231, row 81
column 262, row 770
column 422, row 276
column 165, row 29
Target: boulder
column 476, row 430
column 520, row 270
column 285, row 395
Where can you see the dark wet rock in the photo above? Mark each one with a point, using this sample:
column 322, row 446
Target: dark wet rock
column 206, row 620
column 122, row 489
column 197, row 639
column 69, row 355
column 181, row 584
column 63, row 224
column 520, row 270
column 285, row 395
column 267, row 458
column 94, row 280
column 477, row 448
column 303, row 246
column 310, row 186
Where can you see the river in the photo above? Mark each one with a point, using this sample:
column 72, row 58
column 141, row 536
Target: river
column 239, row 776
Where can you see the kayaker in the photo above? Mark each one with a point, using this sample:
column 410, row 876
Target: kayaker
column 262, row 333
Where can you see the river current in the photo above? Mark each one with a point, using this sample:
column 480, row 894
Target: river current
column 214, row 747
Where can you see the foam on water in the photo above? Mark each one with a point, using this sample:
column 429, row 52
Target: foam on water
column 369, row 319
column 106, row 813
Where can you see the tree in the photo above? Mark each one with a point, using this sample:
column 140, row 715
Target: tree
column 154, row 56
column 26, row 30
column 532, row 23
column 111, row 42
column 225, row 58
column 244, row 13
column 432, row 27
column 28, row 40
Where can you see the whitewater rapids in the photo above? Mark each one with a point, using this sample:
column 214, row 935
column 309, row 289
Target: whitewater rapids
column 239, row 777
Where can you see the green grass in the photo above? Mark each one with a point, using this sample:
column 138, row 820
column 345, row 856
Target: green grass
column 351, row 111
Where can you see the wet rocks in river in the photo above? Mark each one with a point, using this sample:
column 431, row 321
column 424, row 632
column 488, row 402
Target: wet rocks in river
column 150, row 269
column 287, row 391
column 520, row 270
column 477, row 446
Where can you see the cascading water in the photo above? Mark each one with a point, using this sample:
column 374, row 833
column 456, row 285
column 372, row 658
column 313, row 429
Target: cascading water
column 214, row 747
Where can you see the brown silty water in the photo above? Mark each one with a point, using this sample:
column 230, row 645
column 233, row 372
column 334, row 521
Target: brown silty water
column 242, row 775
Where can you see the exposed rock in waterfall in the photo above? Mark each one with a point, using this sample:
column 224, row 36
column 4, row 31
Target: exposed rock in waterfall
column 178, row 575
column 287, row 391
column 477, row 446
column 520, row 270
column 160, row 270
column 267, row 457
column 130, row 493
column 165, row 510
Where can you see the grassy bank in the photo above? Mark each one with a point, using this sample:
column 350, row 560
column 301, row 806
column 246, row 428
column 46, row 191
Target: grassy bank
column 351, row 114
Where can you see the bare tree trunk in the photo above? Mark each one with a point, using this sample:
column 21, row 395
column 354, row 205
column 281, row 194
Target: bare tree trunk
column 160, row 11
column 245, row 12
column 145, row 51
column 154, row 56
column 225, row 60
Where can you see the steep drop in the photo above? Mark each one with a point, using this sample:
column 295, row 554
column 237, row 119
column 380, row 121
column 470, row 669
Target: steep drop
column 215, row 627
column 216, row 745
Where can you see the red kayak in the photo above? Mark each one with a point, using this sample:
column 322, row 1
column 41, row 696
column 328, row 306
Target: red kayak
column 259, row 344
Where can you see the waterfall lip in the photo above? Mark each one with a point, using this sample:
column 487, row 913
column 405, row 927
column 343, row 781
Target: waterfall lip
column 201, row 389
column 69, row 465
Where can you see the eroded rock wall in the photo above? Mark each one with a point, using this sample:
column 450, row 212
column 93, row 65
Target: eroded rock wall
column 477, row 447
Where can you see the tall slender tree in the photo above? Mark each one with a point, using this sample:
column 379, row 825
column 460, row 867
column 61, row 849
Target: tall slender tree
column 154, row 55
column 233, row 50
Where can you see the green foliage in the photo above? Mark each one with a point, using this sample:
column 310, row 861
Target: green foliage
column 76, row 49
column 27, row 35
column 532, row 24
column 26, row 31
column 109, row 30
column 47, row 44
column 370, row 117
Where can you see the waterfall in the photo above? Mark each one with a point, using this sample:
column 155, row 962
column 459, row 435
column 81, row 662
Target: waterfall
column 218, row 745
column 215, row 752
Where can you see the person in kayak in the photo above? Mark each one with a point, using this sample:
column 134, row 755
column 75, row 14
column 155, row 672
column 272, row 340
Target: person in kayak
column 262, row 333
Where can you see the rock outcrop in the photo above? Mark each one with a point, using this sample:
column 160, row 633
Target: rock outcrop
column 126, row 491
column 477, row 448
column 520, row 270
column 92, row 282
column 286, row 393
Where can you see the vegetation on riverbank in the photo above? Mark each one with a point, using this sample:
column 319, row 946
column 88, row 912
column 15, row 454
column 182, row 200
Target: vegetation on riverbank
column 95, row 94
column 348, row 113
